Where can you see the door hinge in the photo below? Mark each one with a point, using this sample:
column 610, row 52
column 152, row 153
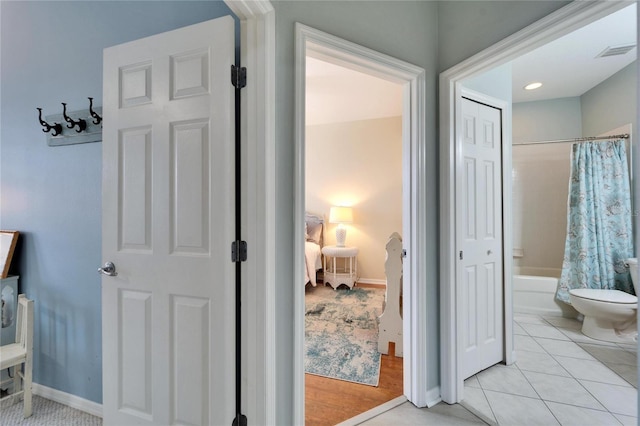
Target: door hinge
column 238, row 76
column 404, row 253
column 239, row 420
column 461, row 256
column 238, row 251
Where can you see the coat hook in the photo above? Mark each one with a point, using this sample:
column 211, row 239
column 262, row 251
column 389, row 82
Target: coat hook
column 56, row 129
column 73, row 123
column 96, row 118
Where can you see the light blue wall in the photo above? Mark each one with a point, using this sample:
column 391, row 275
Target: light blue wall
column 547, row 120
column 52, row 53
column 612, row 103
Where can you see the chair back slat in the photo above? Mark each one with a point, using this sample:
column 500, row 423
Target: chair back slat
column 24, row 322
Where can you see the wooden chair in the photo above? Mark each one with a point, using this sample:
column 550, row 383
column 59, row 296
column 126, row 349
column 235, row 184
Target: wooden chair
column 15, row 354
column 390, row 325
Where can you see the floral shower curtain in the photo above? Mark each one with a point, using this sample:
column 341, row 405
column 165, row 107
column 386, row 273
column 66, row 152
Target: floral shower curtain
column 599, row 233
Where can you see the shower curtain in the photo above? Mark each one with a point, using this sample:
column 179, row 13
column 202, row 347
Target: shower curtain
column 599, row 233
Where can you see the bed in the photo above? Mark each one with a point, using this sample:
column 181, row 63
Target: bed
column 314, row 226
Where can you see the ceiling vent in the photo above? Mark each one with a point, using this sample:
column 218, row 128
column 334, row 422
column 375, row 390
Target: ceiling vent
column 616, row 50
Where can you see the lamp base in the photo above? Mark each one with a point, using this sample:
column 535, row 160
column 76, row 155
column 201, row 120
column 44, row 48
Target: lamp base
column 341, row 236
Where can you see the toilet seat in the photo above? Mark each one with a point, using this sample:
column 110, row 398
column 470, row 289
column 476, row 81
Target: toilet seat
column 608, row 296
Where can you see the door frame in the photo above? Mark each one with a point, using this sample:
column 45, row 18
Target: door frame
column 344, row 53
column 258, row 217
column 559, row 23
column 508, row 353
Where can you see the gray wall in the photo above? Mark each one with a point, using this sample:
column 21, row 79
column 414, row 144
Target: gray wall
column 52, row 53
column 495, row 83
column 611, row 104
column 467, row 27
column 547, row 120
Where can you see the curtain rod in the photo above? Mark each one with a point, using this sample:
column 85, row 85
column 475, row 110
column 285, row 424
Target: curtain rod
column 578, row 140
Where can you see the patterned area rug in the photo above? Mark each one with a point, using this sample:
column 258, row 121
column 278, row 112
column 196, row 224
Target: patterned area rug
column 45, row 413
column 341, row 333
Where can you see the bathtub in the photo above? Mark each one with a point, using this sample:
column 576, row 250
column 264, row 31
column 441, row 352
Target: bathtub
column 536, row 295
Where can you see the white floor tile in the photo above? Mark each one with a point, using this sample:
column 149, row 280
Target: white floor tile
column 616, row 399
column 564, row 323
column 476, row 401
column 547, row 331
column 442, row 414
column 563, row 348
column 507, row 380
column 577, row 336
column 569, row 415
column 627, row 372
column 518, row 410
column 591, row 370
column 472, row 382
column 565, row 390
column 627, row 420
column 526, row 343
column 539, row 362
column 529, row 319
column 610, row 354
column 519, row 330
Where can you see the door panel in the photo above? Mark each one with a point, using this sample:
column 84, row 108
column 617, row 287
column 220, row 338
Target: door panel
column 480, row 263
column 168, row 220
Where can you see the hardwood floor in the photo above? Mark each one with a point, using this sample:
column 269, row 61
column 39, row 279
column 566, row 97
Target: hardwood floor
column 331, row 401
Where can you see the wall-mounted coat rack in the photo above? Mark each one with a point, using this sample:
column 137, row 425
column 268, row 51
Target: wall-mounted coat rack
column 74, row 127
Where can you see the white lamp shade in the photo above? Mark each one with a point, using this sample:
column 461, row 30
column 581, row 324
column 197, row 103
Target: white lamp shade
column 340, row 215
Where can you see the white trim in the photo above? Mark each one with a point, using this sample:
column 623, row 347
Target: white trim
column 375, row 411
column 67, row 399
column 324, row 46
column 557, row 24
column 433, row 396
column 258, row 107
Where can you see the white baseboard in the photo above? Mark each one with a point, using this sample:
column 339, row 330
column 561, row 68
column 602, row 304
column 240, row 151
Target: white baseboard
column 372, row 281
column 433, row 396
column 67, row 399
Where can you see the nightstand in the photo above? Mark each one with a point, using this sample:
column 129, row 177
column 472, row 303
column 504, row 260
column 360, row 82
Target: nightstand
column 340, row 266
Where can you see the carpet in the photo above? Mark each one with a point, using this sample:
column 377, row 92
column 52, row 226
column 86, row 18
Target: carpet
column 341, row 333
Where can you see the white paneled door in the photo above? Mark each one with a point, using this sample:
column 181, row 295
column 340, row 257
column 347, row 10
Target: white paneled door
column 168, row 221
column 480, row 290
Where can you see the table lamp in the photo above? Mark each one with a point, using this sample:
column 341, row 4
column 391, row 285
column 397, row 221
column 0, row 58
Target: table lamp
column 340, row 215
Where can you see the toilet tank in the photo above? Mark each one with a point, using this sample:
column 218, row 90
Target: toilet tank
column 633, row 268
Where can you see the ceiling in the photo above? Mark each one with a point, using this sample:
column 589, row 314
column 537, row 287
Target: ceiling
column 336, row 94
column 567, row 67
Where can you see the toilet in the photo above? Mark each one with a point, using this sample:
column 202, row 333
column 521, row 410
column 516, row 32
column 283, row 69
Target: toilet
column 609, row 315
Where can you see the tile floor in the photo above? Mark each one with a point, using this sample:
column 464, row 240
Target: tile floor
column 561, row 377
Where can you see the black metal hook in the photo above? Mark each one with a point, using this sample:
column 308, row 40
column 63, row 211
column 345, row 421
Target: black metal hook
column 56, row 128
column 73, row 123
column 96, row 118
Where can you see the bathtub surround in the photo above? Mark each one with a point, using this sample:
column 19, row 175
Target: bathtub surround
column 599, row 229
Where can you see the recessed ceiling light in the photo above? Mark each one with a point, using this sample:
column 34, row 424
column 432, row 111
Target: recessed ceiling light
column 533, row 86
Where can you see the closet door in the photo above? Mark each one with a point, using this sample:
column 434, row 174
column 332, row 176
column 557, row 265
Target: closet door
column 480, row 289
column 168, row 221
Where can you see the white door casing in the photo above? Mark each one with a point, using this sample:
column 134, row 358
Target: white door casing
column 327, row 47
column 479, row 210
column 168, row 215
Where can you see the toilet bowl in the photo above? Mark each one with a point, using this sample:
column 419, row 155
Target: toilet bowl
column 609, row 315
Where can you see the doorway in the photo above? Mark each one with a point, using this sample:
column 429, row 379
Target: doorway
column 340, row 52
column 565, row 20
column 353, row 158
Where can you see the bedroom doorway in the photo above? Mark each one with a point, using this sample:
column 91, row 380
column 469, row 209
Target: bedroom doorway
column 335, row 154
column 353, row 158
